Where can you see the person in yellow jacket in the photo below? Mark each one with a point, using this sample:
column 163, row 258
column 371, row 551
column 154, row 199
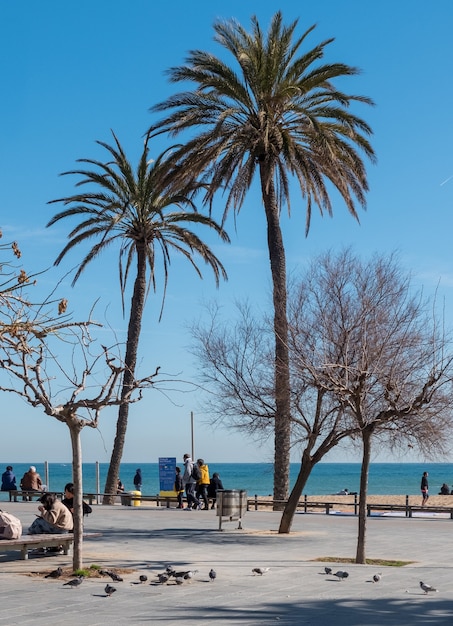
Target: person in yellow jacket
column 203, row 483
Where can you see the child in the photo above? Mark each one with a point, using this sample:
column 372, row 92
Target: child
column 214, row 485
column 179, row 487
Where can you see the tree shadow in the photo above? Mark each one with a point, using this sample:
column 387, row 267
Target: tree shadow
column 376, row 612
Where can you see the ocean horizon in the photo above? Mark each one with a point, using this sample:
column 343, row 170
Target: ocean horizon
column 256, row 478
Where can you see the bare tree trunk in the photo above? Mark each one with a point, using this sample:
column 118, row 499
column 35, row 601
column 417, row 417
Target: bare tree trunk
column 74, row 429
column 366, row 438
column 293, row 500
column 282, row 435
column 130, row 360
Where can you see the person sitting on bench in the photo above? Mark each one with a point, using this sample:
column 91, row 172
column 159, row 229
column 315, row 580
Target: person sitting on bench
column 31, row 481
column 68, row 500
column 55, row 517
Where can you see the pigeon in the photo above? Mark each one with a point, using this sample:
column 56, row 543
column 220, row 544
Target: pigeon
column 190, row 574
column 260, row 570
column 212, row 575
column 109, row 590
column 341, row 575
column 75, row 582
column 377, row 577
column 163, row 578
column 55, row 574
column 427, row 588
column 143, row 578
column 179, row 580
column 328, row 570
column 113, row 576
column 170, row 569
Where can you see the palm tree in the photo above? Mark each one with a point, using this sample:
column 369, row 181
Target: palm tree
column 145, row 212
column 275, row 112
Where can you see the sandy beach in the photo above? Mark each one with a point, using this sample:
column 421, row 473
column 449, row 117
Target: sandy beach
column 390, row 499
column 346, row 503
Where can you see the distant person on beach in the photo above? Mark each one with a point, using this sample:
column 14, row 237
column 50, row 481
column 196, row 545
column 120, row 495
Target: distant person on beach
column 119, row 487
column 138, row 481
column 424, row 488
column 179, row 487
column 31, row 481
column 343, row 492
column 9, row 480
column 214, row 485
column 190, row 483
column 444, row 490
column 68, row 500
column 203, row 483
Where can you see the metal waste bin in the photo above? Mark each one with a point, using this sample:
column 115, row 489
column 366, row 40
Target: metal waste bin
column 231, row 504
column 126, row 499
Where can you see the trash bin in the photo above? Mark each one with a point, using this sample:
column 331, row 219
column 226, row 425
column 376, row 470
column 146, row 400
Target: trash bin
column 135, row 502
column 125, row 499
column 231, row 503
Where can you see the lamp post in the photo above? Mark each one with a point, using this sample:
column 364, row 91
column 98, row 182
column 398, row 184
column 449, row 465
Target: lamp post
column 191, row 433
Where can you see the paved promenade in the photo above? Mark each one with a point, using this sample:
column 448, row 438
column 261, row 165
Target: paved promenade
column 294, row 592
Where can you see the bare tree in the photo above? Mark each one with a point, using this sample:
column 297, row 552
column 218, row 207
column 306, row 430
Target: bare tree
column 236, row 366
column 367, row 359
column 31, row 340
column 376, row 346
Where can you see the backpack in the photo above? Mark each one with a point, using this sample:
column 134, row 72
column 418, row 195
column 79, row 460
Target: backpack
column 196, row 473
column 10, row 526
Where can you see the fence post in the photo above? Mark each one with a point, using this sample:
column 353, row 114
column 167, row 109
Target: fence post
column 256, row 502
column 355, row 504
column 407, row 505
column 305, row 503
column 98, row 483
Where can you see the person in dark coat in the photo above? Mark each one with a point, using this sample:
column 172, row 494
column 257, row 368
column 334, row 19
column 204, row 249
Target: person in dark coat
column 138, row 480
column 214, row 485
column 179, row 487
column 9, row 480
column 68, row 500
column 424, row 488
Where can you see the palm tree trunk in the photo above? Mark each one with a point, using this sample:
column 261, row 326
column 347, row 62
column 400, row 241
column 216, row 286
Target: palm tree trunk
column 74, row 429
column 282, row 435
column 130, row 360
column 366, row 438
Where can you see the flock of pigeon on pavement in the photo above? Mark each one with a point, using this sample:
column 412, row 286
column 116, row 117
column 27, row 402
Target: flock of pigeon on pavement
column 173, row 576
column 170, row 575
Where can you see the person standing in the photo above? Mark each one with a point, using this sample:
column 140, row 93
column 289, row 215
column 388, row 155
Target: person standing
column 189, row 484
column 9, row 480
column 138, row 481
column 179, row 487
column 203, row 483
column 424, row 488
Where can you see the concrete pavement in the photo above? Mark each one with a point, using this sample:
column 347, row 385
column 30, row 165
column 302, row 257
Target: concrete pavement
column 295, row 591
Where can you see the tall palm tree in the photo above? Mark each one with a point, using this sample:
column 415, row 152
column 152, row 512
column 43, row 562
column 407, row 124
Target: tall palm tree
column 145, row 212
column 276, row 112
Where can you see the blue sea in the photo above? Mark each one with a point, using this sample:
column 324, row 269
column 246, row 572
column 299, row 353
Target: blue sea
column 257, row 478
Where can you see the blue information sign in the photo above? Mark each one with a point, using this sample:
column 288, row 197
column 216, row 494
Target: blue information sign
column 167, row 465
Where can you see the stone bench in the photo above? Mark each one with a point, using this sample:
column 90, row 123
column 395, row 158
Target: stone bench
column 32, row 542
column 26, row 494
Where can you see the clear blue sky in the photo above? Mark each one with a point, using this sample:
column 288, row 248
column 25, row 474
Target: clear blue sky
column 71, row 71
